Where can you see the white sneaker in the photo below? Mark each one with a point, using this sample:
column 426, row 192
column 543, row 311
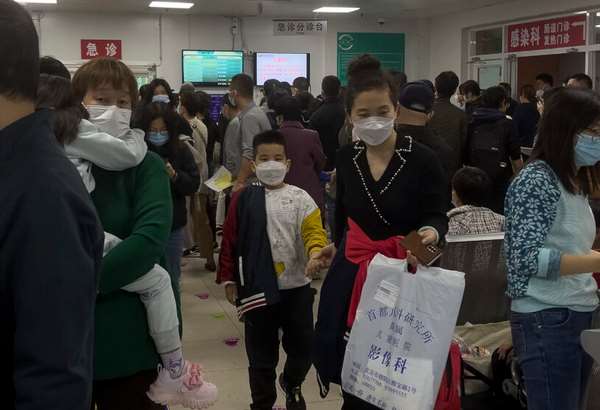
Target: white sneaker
column 188, row 390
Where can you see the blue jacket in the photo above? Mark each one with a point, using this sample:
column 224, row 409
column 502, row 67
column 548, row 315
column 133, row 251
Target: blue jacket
column 50, row 253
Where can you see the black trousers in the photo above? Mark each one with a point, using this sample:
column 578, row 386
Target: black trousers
column 294, row 315
column 354, row 403
column 126, row 393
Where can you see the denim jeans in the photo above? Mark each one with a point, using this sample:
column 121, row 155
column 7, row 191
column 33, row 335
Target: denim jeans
column 174, row 253
column 555, row 367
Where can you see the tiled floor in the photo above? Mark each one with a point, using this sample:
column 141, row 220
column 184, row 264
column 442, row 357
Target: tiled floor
column 206, row 325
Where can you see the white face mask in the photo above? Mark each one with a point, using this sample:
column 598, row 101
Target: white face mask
column 111, row 119
column 374, row 130
column 271, row 173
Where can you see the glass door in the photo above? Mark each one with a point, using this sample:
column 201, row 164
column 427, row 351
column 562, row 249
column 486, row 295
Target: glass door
column 488, row 73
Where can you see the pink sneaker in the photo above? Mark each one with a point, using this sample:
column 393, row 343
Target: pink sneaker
column 189, row 390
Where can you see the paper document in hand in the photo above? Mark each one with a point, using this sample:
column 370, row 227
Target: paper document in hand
column 221, row 180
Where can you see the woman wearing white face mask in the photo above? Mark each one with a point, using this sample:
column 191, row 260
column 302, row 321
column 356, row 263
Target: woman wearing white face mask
column 550, row 231
column 134, row 205
column 387, row 185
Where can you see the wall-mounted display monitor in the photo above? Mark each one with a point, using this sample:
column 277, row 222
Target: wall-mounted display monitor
column 216, row 104
column 281, row 66
column 211, row 68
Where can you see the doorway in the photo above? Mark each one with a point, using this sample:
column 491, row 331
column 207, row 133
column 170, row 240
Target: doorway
column 559, row 66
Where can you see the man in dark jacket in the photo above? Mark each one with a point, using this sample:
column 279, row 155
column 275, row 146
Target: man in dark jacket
column 329, row 119
column 415, row 109
column 493, row 144
column 50, row 242
column 449, row 121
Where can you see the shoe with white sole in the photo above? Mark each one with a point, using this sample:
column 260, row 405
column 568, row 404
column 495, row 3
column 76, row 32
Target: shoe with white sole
column 188, row 390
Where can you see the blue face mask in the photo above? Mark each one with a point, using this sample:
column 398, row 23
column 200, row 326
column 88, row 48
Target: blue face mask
column 587, row 150
column 158, row 138
column 161, row 99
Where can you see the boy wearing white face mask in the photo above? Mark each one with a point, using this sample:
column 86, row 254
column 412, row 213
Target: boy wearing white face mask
column 271, row 234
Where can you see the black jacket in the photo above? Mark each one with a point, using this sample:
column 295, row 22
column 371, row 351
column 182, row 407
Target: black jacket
column 51, row 245
column 512, row 107
column 434, row 142
column 492, row 142
column 185, row 183
column 255, row 276
column 328, row 120
column 450, row 123
column 417, row 196
column 526, row 119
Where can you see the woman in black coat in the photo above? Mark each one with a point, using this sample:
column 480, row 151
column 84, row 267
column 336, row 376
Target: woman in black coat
column 526, row 116
column 160, row 123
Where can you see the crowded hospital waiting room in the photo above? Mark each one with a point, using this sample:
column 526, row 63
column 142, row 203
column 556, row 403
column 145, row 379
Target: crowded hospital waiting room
column 300, row 204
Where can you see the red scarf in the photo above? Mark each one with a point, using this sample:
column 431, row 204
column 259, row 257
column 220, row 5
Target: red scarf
column 360, row 250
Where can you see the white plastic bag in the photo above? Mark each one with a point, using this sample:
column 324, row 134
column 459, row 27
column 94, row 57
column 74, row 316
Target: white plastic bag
column 400, row 340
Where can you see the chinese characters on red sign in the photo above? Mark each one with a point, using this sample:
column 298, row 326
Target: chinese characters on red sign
column 568, row 31
column 101, row 48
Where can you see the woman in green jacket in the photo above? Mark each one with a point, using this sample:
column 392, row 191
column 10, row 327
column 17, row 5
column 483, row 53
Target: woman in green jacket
column 135, row 205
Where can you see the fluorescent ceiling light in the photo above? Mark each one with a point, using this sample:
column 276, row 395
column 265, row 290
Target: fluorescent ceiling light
column 336, row 9
column 36, row 1
column 171, row 5
column 582, row 12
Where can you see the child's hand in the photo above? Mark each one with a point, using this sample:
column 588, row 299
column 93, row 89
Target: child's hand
column 231, row 293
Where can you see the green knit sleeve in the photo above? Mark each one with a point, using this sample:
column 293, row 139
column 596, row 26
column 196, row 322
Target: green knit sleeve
column 152, row 217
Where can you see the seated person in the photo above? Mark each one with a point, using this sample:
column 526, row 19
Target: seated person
column 471, row 188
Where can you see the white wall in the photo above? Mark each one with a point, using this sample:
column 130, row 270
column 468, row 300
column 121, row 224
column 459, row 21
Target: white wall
column 446, row 34
column 142, row 35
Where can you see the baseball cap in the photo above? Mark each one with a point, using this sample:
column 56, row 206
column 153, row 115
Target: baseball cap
column 416, row 96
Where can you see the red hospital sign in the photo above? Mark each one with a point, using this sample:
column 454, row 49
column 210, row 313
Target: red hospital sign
column 101, row 48
column 567, row 31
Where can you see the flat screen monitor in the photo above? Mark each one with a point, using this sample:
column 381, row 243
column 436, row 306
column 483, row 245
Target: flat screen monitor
column 216, row 104
column 211, row 68
column 281, row 66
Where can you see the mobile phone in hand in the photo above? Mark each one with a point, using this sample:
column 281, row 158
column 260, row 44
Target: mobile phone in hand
column 426, row 254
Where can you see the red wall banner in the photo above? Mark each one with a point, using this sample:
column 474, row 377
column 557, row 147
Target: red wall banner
column 567, row 31
column 101, row 48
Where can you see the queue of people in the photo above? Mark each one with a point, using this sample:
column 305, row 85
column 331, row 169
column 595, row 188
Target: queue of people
column 91, row 280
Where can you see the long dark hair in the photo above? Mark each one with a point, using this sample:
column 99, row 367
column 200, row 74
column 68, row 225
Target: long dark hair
column 157, row 110
column 55, row 93
column 567, row 113
column 155, row 84
column 365, row 74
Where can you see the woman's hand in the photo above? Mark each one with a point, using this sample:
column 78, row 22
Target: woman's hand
column 429, row 236
column 313, row 266
column 322, row 258
column 170, row 170
column 412, row 261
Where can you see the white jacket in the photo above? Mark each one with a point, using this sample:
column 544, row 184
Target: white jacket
column 93, row 147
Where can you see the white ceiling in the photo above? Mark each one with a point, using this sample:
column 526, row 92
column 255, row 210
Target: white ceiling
column 281, row 8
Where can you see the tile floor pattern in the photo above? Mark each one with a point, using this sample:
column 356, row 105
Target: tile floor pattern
column 206, row 325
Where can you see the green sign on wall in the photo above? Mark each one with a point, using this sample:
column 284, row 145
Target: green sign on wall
column 389, row 48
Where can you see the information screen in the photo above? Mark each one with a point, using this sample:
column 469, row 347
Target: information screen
column 216, row 104
column 211, row 68
column 281, row 66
